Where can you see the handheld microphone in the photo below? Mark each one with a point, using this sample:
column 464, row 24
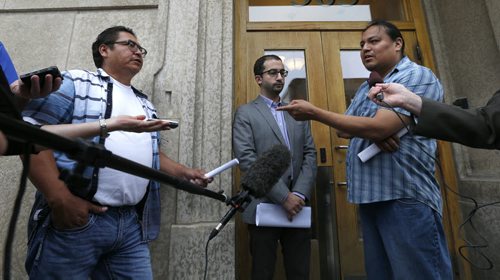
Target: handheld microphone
column 238, row 203
column 374, row 79
column 262, row 175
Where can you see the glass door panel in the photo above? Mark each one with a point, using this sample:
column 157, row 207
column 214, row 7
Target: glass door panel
column 395, row 10
column 296, row 82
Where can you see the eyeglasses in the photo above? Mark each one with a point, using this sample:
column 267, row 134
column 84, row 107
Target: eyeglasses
column 133, row 46
column 275, row 72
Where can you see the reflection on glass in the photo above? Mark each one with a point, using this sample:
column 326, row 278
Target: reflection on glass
column 296, row 81
column 354, row 73
column 386, row 9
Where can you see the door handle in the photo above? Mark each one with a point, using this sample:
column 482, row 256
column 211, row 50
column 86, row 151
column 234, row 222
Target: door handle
column 341, row 147
column 342, row 184
column 322, row 155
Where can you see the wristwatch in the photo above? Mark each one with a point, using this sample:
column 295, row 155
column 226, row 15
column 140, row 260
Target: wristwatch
column 103, row 133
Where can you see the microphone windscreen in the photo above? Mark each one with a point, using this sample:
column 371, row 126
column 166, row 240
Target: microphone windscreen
column 374, row 79
column 267, row 169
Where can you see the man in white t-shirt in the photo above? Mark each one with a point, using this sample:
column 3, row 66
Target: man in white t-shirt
column 105, row 235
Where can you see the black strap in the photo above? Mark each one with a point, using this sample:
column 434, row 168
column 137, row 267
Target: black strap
column 107, row 115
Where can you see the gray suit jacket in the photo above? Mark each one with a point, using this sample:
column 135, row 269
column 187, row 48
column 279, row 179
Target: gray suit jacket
column 254, row 132
column 478, row 128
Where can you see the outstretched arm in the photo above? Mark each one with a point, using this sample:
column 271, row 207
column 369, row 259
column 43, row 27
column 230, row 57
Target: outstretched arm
column 125, row 123
column 478, row 128
column 475, row 128
column 384, row 124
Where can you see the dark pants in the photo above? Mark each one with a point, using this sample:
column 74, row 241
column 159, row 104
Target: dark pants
column 296, row 249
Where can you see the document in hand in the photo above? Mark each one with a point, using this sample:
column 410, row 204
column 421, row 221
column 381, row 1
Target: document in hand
column 373, row 149
column 273, row 215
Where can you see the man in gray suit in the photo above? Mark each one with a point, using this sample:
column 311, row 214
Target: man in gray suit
column 257, row 127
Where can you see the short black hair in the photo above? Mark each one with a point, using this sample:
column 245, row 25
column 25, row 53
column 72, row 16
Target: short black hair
column 390, row 29
column 107, row 36
column 258, row 67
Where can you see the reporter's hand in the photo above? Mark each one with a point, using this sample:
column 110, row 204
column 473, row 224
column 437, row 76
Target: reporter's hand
column 34, row 91
column 293, row 205
column 390, row 144
column 396, row 95
column 197, row 177
column 136, row 124
column 69, row 211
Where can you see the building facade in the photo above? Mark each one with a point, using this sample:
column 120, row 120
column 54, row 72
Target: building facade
column 191, row 74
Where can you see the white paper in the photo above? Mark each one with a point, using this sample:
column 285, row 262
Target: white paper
column 274, row 215
column 373, row 149
column 223, row 167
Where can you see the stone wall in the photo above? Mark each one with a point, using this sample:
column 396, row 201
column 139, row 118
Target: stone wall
column 187, row 74
column 465, row 36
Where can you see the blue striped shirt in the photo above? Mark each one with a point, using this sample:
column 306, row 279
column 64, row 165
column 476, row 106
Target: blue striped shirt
column 83, row 97
column 408, row 172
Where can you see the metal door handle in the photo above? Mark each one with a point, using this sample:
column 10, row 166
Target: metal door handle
column 342, row 184
column 341, row 147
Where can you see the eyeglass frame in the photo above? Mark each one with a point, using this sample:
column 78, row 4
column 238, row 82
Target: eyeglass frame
column 282, row 72
column 133, row 46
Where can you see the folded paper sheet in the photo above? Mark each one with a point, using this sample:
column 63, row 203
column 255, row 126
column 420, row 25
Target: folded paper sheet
column 273, row 215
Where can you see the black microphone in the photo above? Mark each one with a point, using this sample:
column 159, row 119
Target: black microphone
column 374, row 79
column 238, row 203
column 262, row 175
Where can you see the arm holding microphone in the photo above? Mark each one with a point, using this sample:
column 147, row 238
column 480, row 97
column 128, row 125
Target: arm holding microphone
column 477, row 128
column 396, row 95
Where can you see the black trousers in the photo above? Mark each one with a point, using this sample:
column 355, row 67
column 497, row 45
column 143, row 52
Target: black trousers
column 296, row 250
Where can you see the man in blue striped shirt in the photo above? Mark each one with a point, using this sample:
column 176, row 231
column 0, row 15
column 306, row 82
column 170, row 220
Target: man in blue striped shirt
column 105, row 234
column 399, row 199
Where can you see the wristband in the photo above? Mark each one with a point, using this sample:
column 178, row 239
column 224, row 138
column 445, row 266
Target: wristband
column 103, row 133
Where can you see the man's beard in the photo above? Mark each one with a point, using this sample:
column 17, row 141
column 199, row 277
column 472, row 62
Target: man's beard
column 277, row 88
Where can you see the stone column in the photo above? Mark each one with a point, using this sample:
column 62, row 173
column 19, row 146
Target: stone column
column 194, row 86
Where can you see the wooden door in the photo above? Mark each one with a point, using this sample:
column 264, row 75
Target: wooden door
column 337, row 240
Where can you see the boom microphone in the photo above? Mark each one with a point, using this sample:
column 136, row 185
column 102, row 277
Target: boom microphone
column 262, row 175
column 375, row 78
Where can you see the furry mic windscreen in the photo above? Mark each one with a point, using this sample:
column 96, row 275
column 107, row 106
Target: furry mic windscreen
column 265, row 172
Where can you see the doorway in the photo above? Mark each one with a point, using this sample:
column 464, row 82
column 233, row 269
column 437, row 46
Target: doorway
column 319, row 57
